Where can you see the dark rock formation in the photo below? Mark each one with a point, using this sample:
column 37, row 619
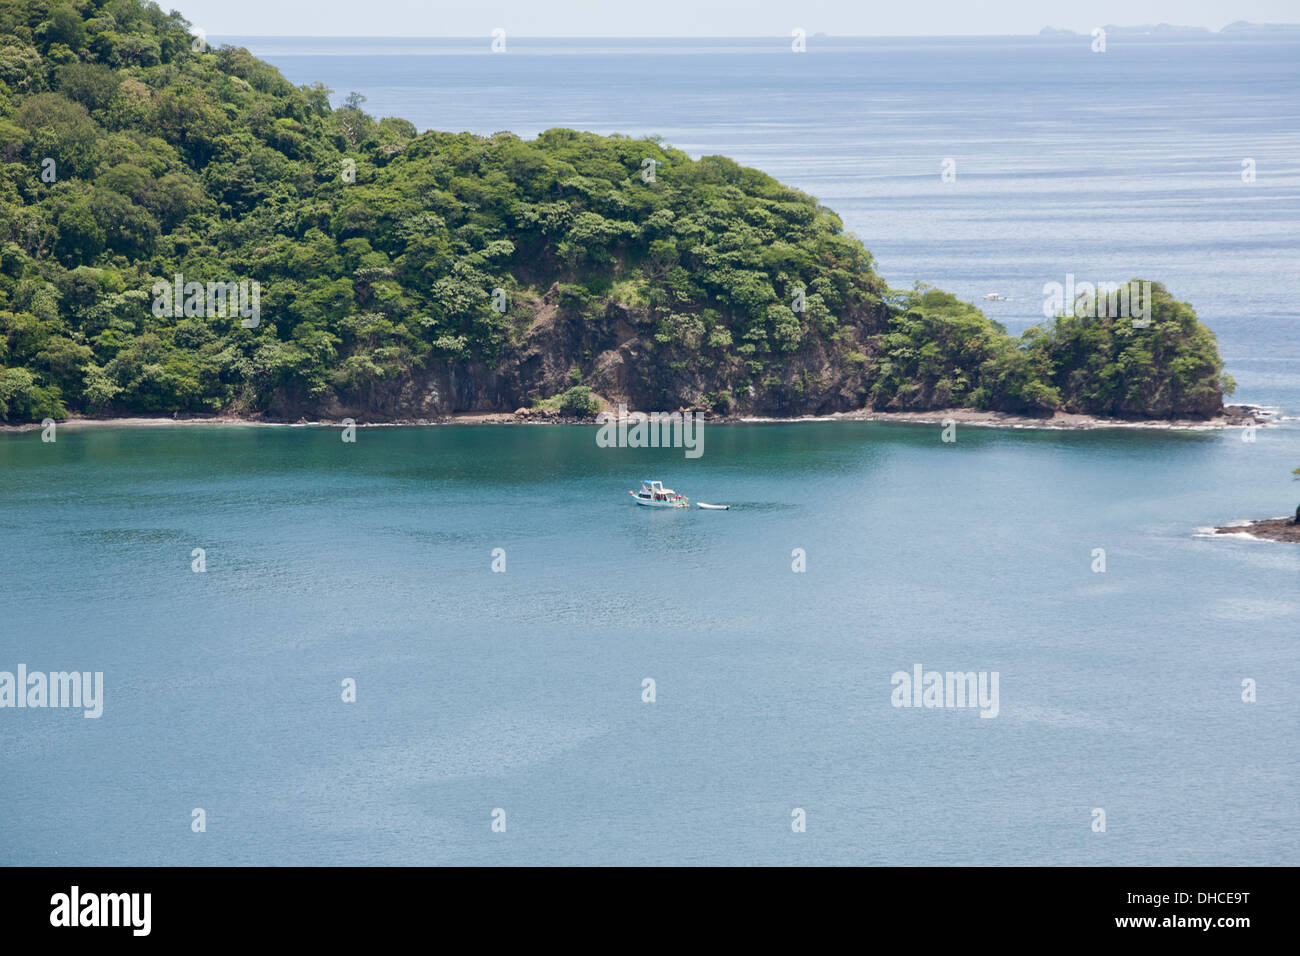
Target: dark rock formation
column 1274, row 529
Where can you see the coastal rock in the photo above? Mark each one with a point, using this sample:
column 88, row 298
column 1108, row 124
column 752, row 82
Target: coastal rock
column 1272, row 529
column 1244, row 415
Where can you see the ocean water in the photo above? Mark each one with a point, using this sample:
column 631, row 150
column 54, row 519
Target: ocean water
column 522, row 690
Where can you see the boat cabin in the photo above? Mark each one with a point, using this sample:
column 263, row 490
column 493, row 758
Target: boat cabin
column 655, row 491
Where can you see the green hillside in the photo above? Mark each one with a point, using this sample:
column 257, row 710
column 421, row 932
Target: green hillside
column 404, row 274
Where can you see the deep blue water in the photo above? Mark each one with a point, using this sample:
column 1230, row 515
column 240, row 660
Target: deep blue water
column 522, row 690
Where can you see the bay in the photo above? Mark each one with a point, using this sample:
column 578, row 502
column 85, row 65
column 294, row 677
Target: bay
column 523, row 690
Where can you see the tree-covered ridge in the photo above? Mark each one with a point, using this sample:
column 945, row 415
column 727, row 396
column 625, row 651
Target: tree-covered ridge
column 405, row 274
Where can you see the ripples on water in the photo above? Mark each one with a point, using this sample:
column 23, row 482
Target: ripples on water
column 522, row 689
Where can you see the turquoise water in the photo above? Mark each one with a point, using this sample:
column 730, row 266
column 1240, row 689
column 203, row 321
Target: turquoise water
column 522, row 690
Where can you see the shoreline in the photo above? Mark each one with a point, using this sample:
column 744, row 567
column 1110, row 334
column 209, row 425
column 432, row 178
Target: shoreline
column 1283, row 529
column 1234, row 416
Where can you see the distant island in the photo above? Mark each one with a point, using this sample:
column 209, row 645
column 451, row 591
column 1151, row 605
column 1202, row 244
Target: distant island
column 183, row 232
column 1238, row 28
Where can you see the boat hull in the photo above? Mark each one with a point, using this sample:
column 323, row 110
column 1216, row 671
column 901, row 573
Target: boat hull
column 659, row 504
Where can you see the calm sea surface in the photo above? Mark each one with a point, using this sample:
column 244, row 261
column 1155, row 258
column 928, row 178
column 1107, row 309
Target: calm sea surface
column 523, row 690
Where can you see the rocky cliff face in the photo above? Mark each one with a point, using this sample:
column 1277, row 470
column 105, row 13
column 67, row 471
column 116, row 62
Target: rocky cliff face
column 616, row 354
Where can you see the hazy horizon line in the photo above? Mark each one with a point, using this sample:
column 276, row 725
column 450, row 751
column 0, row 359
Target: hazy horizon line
column 690, row 36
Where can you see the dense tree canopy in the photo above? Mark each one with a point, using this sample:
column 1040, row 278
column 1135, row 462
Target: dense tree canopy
column 130, row 154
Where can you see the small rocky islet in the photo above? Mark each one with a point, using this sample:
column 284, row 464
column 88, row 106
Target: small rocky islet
column 1271, row 529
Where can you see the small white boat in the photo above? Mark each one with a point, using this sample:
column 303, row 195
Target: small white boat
column 994, row 297
column 701, row 504
column 653, row 494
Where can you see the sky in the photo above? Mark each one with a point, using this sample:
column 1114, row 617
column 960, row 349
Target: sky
column 657, row 18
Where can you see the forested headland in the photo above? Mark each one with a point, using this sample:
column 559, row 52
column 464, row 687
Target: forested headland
column 400, row 274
